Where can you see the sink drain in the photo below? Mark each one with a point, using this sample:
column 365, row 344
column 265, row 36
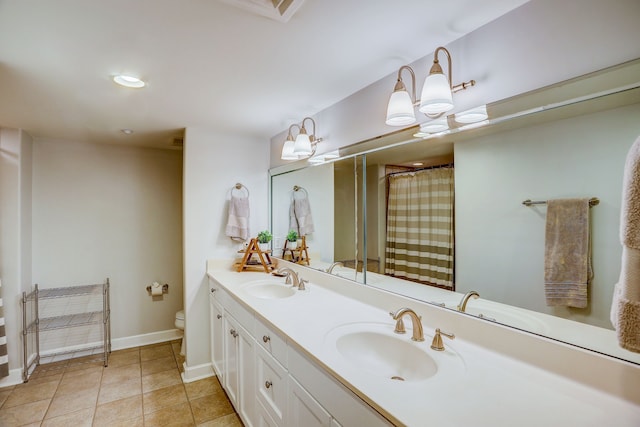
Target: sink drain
column 395, row 377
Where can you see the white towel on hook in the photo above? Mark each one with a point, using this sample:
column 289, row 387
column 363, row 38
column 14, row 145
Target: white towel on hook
column 238, row 221
column 300, row 218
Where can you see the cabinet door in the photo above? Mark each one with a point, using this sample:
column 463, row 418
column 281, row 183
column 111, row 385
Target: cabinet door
column 272, row 385
column 247, row 376
column 217, row 330
column 231, row 365
column 304, row 410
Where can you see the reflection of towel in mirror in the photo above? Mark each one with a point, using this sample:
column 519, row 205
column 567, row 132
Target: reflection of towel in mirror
column 238, row 221
column 625, row 307
column 300, row 218
column 567, row 267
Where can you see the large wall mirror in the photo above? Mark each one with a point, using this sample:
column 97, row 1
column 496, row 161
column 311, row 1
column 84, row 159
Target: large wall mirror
column 569, row 140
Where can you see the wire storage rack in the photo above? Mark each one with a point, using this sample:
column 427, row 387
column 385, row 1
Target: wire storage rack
column 83, row 309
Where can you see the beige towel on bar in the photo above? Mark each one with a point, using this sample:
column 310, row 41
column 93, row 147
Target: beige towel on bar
column 567, row 267
column 625, row 307
column 238, row 220
column 300, row 218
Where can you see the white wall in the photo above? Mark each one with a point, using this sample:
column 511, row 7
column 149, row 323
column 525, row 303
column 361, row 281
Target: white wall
column 213, row 164
column 318, row 182
column 15, row 223
column 500, row 243
column 537, row 44
column 110, row 211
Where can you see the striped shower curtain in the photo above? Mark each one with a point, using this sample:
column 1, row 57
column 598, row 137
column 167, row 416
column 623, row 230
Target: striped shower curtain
column 4, row 360
column 420, row 226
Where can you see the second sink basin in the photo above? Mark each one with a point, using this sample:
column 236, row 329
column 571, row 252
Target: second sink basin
column 386, row 356
column 377, row 352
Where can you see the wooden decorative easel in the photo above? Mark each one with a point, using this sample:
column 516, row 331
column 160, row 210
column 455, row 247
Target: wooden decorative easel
column 263, row 262
column 300, row 254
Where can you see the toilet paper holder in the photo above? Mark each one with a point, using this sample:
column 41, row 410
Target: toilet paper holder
column 165, row 289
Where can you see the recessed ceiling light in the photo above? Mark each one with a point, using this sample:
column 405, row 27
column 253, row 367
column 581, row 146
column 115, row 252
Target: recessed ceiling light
column 418, row 164
column 128, row 81
column 126, row 131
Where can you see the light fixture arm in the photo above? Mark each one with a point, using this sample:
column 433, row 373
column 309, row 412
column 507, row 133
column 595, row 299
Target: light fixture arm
column 400, row 84
column 290, row 135
column 312, row 135
column 436, row 68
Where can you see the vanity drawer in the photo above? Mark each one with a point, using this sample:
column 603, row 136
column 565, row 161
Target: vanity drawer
column 272, row 385
column 272, row 341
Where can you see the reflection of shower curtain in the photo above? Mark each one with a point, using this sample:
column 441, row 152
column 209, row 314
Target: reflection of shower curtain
column 4, row 361
column 420, row 226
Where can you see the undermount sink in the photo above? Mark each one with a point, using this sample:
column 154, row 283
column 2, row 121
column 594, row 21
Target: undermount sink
column 269, row 289
column 378, row 352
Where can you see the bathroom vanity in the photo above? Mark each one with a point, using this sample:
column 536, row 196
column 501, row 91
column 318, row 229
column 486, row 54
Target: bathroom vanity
column 328, row 356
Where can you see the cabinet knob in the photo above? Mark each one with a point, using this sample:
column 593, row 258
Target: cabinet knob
column 213, row 290
column 266, row 338
column 232, row 332
column 268, row 384
column 219, row 316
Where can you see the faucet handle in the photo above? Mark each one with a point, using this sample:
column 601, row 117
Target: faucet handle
column 437, row 343
column 301, row 284
column 400, row 329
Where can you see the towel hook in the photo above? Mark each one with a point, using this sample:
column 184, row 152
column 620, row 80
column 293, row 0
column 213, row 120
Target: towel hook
column 240, row 186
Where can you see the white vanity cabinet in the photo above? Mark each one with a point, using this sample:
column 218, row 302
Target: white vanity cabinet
column 256, row 366
column 233, row 350
column 217, row 330
column 304, row 410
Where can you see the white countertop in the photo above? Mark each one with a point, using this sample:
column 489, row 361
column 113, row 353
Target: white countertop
column 488, row 388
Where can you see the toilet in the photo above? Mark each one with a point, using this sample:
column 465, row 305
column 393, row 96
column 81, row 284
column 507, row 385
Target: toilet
column 179, row 323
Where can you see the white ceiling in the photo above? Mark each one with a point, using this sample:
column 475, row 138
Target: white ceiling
column 207, row 63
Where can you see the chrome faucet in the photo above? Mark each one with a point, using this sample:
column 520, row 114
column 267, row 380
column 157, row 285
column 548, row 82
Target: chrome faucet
column 418, row 334
column 292, row 278
column 334, row 265
column 465, row 299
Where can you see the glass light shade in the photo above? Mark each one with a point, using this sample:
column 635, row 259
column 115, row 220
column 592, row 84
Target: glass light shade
column 287, row 151
column 473, row 115
column 302, row 146
column 436, row 95
column 400, row 109
column 435, row 126
column 128, row 81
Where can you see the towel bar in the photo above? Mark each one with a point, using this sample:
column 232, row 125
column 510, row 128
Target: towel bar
column 592, row 202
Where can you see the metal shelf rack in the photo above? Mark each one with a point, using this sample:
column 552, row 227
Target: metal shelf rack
column 35, row 321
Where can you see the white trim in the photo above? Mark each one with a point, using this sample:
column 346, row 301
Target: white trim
column 197, row 372
column 145, row 339
column 14, row 378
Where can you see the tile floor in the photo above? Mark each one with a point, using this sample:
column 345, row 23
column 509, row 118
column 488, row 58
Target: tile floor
column 140, row 387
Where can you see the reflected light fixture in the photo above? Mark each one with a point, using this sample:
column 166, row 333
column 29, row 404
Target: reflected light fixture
column 304, row 145
column 473, row 115
column 129, row 81
column 436, row 97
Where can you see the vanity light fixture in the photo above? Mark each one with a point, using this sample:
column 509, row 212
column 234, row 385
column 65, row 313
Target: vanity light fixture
column 400, row 107
column 129, row 81
column 304, row 144
column 287, row 148
column 436, row 97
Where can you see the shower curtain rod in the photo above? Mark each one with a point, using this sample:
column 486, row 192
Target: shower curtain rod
column 448, row 165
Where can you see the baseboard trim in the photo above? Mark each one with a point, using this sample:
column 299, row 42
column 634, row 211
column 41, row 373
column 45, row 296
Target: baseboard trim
column 198, row 372
column 14, row 378
column 145, row 339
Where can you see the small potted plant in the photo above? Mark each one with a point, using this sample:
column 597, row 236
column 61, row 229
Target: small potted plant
column 264, row 237
column 292, row 239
